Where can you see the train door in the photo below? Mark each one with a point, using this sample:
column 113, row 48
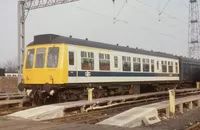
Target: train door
column 116, row 63
column 158, row 66
column 72, row 62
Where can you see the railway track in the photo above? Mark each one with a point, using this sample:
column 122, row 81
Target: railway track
column 98, row 115
column 95, row 116
column 6, row 111
column 10, row 103
column 10, row 96
column 194, row 127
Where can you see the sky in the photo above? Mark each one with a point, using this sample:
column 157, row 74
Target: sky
column 138, row 24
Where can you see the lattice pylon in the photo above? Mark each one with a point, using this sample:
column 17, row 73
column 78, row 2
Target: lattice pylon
column 193, row 32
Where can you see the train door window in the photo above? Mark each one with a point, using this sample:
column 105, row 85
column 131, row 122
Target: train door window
column 126, row 63
column 40, row 57
column 52, row 60
column 176, row 66
column 164, row 66
column 158, row 65
column 104, row 61
column 30, row 58
column 145, row 65
column 116, row 61
column 152, row 65
column 170, row 67
column 87, row 60
column 136, row 64
column 71, row 58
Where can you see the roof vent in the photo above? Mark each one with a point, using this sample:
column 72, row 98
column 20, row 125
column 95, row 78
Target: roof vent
column 127, row 46
column 117, row 44
column 70, row 36
column 86, row 39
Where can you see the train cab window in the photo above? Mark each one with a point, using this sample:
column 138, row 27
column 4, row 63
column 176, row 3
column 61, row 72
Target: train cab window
column 164, row 66
column 104, row 61
column 170, row 67
column 152, row 66
column 30, row 58
column 136, row 64
column 52, row 60
column 40, row 57
column 145, row 65
column 126, row 63
column 116, row 61
column 71, row 58
column 87, row 60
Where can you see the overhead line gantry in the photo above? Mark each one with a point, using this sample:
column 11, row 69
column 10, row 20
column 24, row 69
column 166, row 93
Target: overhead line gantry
column 24, row 6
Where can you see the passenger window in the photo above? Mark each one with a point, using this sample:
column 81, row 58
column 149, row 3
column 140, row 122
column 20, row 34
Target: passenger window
column 104, row 61
column 30, row 58
column 145, row 65
column 71, row 58
column 152, row 65
column 52, row 60
column 136, row 64
column 40, row 57
column 87, row 60
column 116, row 61
column 126, row 63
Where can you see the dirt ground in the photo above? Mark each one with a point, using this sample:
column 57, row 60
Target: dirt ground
column 8, row 84
column 179, row 122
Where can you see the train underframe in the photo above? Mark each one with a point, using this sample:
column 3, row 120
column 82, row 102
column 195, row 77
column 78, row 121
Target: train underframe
column 39, row 94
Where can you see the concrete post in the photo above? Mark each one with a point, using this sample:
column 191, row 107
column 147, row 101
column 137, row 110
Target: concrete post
column 172, row 102
column 198, row 103
column 167, row 112
column 191, row 105
column 198, row 85
column 181, row 108
column 90, row 94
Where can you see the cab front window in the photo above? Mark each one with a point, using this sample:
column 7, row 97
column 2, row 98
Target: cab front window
column 30, row 58
column 40, row 57
column 52, row 60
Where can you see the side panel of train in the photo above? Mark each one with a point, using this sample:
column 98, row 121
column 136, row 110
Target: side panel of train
column 94, row 65
column 189, row 69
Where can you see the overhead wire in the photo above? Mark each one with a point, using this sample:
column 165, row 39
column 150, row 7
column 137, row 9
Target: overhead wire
column 113, row 9
column 141, row 2
column 151, row 30
column 144, row 28
column 147, row 14
column 164, row 7
column 120, row 10
column 103, row 15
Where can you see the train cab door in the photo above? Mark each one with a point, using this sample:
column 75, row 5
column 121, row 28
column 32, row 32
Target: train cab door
column 72, row 64
column 158, row 67
column 115, row 65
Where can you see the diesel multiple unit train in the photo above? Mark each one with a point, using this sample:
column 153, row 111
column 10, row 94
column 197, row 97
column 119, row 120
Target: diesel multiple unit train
column 58, row 68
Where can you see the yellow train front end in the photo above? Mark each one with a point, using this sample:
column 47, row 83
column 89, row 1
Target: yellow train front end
column 45, row 68
column 45, row 64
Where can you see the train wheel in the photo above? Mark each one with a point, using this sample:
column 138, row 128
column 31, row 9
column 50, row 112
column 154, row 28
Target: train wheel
column 36, row 100
column 62, row 97
column 39, row 98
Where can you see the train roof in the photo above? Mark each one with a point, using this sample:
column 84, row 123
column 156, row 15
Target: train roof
column 189, row 60
column 53, row 39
